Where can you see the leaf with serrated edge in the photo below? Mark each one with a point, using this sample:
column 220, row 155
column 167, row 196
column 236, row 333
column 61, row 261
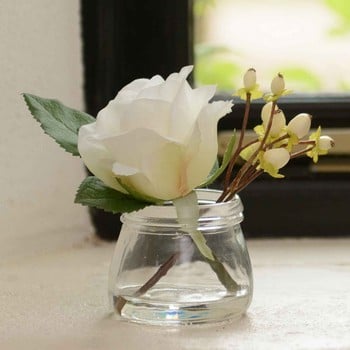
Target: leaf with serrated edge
column 94, row 193
column 58, row 121
column 225, row 160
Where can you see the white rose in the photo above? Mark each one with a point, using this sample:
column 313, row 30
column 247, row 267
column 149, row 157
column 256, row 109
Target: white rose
column 158, row 138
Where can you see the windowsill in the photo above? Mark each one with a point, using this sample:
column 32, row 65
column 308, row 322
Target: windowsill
column 301, row 301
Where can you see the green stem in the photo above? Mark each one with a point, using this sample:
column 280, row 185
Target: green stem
column 188, row 214
column 229, row 192
column 223, row 276
column 201, row 243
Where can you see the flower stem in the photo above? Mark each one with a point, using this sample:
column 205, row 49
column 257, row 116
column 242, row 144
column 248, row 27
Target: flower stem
column 269, row 126
column 219, row 269
column 307, row 142
column 119, row 302
column 188, row 214
column 301, row 153
column 284, row 137
column 256, row 174
column 230, row 191
column 240, row 141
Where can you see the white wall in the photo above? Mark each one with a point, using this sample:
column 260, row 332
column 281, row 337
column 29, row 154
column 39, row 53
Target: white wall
column 40, row 53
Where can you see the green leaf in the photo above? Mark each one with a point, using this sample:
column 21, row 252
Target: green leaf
column 215, row 168
column 58, row 121
column 94, row 193
column 225, row 160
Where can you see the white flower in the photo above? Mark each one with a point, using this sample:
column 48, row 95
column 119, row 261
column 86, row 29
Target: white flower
column 249, row 79
column 250, row 88
column 277, row 157
column 299, row 125
column 273, row 160
column 277, row 84
column 325, row 143
column 322, row 144
column 277, row 88
column 156, row 139
column 247, row 152
column 278, row 121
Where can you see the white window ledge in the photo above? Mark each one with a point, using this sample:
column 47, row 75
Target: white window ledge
column 301, row 301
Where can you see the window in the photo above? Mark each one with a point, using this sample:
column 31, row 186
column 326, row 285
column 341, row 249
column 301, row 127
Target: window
column 126, row 39
column 308, row 42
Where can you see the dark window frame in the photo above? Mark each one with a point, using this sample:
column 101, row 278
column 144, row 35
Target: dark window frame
column 128, row 39
column 124, row 40
column 328, row 110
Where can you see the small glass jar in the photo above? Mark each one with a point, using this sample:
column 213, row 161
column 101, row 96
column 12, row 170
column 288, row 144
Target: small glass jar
column 158, row 276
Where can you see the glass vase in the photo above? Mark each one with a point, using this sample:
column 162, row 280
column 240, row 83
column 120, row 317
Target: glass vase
column 159, row 276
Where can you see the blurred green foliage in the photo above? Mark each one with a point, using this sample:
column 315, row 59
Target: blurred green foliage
column 302, row 78
column 218, row 64
column 344, row 86
column 215, row 65
column 201, row 6
column 342, row 9
column 219, row 72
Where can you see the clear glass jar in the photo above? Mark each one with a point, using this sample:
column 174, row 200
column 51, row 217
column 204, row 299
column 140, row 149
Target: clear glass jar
column 158, row 275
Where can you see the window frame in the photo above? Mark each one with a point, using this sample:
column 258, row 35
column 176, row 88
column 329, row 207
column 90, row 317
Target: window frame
column 328, row 110
column 128, row 39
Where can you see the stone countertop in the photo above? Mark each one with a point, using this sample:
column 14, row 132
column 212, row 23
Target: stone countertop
column 59, row 300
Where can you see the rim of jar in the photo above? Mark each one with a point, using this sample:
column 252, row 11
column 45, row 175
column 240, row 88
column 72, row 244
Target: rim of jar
column 210, row 212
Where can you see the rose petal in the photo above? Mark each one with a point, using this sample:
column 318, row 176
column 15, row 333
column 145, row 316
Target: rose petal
column 203, row 159
column 131, row 91
column 167, row 90
column 139, row 183
column 147, row 114
column 166, row 170
column 186, row 107
column 160, row 174
column 108, row 119
column 123, row 170
column 96, row 157
column 130, row 148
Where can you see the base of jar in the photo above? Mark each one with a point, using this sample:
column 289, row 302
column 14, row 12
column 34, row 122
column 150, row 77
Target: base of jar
column 191, row 306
